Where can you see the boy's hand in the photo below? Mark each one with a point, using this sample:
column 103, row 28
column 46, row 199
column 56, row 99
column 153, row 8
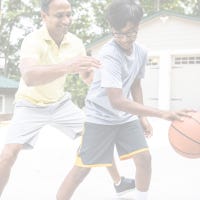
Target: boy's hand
column 177, row 115
column 148, row 130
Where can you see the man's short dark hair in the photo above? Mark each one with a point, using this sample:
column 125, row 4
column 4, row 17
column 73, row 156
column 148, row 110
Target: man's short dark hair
column 120, row 12
column 45, row 5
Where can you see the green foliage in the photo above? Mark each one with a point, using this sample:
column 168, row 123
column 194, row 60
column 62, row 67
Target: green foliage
column 88, row 19
column 77, row 88
column 17, row 19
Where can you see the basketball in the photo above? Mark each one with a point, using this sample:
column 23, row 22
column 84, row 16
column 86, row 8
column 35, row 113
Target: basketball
column 184, row 136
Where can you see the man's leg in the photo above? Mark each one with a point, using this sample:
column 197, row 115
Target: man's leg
column 7, row 159
column 143, row 174
column 71, row 182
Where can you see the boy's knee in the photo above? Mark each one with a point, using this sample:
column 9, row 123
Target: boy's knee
column 81, row 173
column 143, row 160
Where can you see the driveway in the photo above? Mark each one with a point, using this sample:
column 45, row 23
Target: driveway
column 38, row 173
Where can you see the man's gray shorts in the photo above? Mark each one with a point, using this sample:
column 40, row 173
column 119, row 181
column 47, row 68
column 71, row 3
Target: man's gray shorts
column 29, row 119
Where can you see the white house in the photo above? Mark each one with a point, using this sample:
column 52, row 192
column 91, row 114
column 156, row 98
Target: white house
column 8, row 88
column 172, row 77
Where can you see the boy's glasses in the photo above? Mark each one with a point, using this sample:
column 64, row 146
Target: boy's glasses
column 130, row 34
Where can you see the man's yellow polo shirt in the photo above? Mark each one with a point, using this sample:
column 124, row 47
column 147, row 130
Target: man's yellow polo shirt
column 40, row 45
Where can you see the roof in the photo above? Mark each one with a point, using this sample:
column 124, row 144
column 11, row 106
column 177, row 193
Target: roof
column 7, row 83
column 170, row 13
column 145, row 19
column 98, row 40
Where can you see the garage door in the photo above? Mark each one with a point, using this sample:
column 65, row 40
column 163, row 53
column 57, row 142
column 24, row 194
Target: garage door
column 150, row 82
column 185, row 82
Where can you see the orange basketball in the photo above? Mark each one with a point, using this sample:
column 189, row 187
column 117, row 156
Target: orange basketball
column 184, row 136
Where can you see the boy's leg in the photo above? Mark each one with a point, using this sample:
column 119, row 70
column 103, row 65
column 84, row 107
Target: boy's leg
column 143, row 175
column 143, row 170
column 71, row 182
column 7, row 159
column 96, row 149
column 131, row 143
column 120, row 183
column 114, row 173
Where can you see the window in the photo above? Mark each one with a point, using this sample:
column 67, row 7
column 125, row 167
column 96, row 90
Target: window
column 153, row 62
column 186, row 60
column 1, row 104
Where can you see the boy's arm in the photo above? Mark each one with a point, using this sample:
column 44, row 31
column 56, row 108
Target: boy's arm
column 119, row 102
column 137, row 94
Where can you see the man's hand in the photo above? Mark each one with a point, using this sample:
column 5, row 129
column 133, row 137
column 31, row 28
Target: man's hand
column 82, row 64
column 87, row 76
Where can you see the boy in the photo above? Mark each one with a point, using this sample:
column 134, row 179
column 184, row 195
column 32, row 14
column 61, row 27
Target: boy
column 115, row 114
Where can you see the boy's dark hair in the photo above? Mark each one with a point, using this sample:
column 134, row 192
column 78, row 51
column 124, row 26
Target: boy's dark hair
column 119, row 12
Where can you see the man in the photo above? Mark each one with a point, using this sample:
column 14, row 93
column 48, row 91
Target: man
column 47, row 56
column 115, row 114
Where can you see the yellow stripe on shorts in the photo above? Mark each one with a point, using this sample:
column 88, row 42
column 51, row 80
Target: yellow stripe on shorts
column 127, row 156
column 80, row 163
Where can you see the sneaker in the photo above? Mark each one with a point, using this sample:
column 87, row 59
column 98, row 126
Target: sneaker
column 125, row 186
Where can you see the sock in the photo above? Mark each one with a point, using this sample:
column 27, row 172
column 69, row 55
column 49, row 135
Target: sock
column 118, row 183
column 140, row 195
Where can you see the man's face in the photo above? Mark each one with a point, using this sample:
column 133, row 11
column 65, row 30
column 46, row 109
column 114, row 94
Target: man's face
column 126, row 36
column 58, row 17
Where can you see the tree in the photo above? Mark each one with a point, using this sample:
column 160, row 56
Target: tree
column 196, row 11
column 18, row 18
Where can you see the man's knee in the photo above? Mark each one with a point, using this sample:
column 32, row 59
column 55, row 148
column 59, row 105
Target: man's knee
column 10, row 152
